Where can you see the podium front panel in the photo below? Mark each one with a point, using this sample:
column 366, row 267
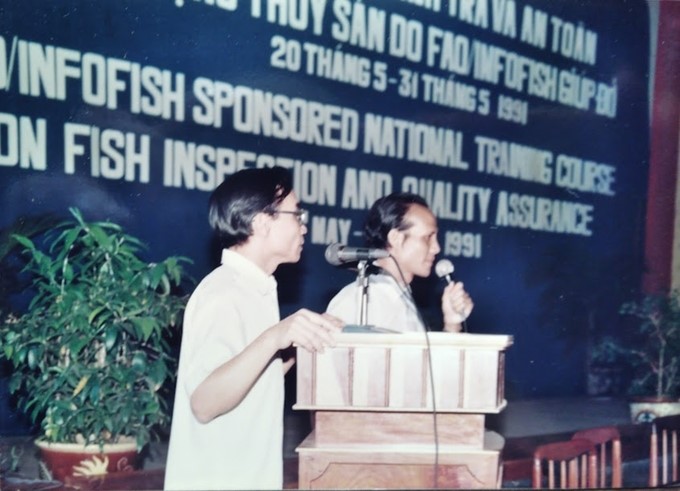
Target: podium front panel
column 396, row 467
column 391, row 372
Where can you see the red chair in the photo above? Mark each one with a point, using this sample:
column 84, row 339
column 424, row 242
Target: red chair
column 569, row 464
column 664, row 442
column 607, row 441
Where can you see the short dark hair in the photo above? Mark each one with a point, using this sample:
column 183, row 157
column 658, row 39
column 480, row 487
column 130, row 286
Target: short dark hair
column 234, row 203
column 388, row 213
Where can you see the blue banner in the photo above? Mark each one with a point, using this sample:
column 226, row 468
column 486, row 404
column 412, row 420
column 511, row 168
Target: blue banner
column 523, row 123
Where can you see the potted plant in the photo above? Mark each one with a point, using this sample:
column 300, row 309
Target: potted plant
column 90, row 357
column 12, row 284
column 652, row 353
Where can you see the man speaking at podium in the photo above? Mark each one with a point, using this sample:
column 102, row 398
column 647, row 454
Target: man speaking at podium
column 403, row 225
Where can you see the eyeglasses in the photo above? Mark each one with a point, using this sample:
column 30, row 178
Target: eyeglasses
column 301, row 215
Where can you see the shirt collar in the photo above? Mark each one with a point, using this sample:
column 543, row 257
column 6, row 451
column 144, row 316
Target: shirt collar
column 250, row 271
column 384, row 277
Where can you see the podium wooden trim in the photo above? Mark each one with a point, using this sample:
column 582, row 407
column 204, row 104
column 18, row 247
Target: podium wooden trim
column 390, row 372
column 374, row 418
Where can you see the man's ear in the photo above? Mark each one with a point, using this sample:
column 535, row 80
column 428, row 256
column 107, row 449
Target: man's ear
column 262, row 224
column 395, row 238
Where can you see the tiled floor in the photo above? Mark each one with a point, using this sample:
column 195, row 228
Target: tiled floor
column 518, row 419
column 558, row 415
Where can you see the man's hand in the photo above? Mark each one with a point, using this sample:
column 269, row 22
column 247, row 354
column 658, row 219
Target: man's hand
column 456, row 306
column 308, row 330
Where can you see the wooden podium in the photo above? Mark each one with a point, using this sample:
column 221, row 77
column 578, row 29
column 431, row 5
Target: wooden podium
column 374, row 421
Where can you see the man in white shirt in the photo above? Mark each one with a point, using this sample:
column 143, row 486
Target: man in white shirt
column 227, row 426
column 402, row 224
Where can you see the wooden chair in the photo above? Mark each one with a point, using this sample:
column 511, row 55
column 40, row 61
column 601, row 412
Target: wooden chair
column 607, row 441
column 570, row 464
column 663, row 445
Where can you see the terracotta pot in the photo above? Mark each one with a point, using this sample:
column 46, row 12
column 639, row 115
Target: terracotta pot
column 645, row 409
column 74, row 459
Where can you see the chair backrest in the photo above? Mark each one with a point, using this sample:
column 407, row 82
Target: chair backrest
column 663, row 446
column 607, row 441
column 569, row 464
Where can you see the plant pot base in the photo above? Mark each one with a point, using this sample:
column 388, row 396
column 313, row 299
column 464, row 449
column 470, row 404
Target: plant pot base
column 645, row 411
column 72, row 459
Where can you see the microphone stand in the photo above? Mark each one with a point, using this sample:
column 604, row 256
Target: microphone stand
column 362, row 278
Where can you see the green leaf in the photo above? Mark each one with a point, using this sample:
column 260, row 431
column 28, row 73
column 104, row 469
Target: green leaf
column 166, row 284
column 21, row 355
column 157, row 273
column 24, row 241
column 94, row 313
column 76, row 345
column 32, row 358
column 110, row 337
column 95, row 390
column 100, row 236
column 70, row 237
column 139, row 361
column 146, row 325
column 9, row 350
column 158, row 372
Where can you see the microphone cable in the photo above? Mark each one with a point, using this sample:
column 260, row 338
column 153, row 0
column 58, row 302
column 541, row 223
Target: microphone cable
column 408, row 293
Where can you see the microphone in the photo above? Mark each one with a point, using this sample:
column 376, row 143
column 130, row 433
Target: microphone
column 444, row 269
column 338, row 254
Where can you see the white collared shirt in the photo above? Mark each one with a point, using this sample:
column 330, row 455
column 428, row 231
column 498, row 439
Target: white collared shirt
column 389, row 305
column 241, row 449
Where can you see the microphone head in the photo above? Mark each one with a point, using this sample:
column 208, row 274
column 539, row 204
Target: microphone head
column 443, row 268
column 332, row 254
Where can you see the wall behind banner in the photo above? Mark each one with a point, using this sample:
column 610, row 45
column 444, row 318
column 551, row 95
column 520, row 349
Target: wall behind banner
column 523, row 123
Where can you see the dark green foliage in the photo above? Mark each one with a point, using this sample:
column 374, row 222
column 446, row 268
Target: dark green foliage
column 91, row 355
column 652, row 351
